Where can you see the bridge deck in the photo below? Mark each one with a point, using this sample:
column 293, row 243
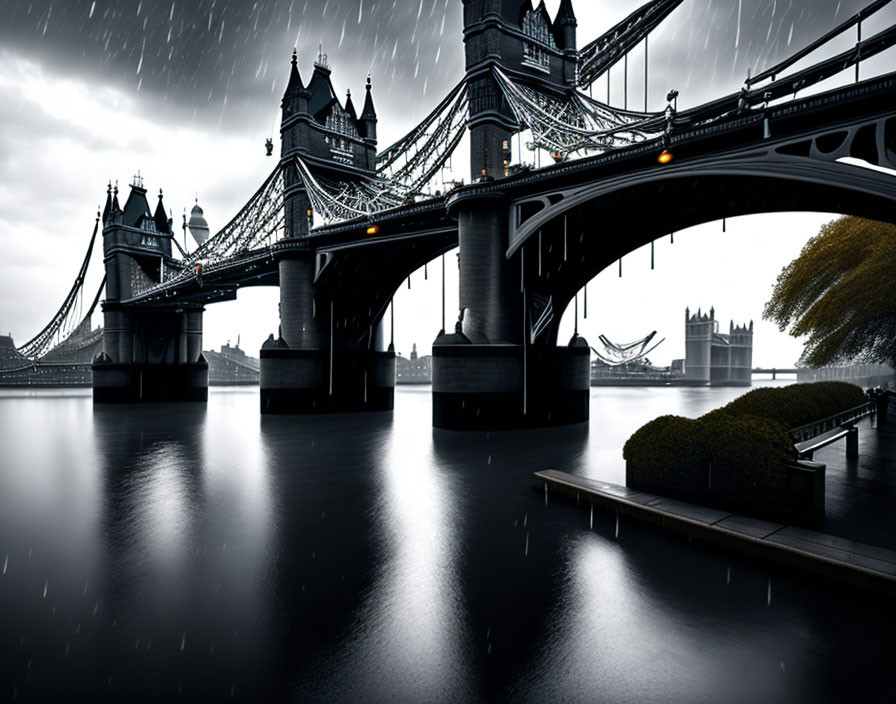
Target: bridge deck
column 821, row 554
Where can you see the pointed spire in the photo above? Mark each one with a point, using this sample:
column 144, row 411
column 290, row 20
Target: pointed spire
column 295, row 80
column 108, row 209
column 367, row 123
column 160, row 217
column 116, row 208
column 349, row 106
column 369, row 112
column 565, row 15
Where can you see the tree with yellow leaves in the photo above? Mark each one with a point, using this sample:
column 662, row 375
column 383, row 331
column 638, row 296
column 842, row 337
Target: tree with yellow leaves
column 841, row 294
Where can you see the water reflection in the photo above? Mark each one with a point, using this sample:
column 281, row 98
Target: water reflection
column 635, row 622
column 211, row 552
column 408, row 636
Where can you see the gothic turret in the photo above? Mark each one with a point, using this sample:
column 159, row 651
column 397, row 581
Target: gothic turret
column 116, row 208
column 367, row 124
column 350, row 106
column 107, row 211
column 295, row 97
column 565, row 24
column 163, row 224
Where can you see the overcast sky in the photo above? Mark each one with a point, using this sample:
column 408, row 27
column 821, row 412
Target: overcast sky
column 187, row 92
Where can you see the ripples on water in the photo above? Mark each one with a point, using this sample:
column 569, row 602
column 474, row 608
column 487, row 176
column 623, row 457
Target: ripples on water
column 213, row 552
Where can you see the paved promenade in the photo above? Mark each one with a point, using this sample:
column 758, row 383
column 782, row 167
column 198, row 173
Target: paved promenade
column 860, row 494
column 855, row 545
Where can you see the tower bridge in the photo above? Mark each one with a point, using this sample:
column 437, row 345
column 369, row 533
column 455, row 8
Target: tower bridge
column 338, row 227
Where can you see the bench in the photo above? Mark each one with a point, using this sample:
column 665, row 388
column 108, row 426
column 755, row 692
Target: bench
column 813, row 436
column 806, row 449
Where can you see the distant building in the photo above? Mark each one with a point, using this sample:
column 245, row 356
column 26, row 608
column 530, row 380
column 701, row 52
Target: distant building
column 231, row 367
column 9, row 355
column 67, row 364
column 715, row 358
column 416, row 370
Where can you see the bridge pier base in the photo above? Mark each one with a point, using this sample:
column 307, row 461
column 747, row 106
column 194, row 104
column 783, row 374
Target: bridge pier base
column 150, row 383
column 150, row 356
column 503, row 387
column 314, row 381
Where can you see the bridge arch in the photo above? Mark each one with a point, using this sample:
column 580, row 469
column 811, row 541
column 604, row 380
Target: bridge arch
column 362, row 280
column 568, row 242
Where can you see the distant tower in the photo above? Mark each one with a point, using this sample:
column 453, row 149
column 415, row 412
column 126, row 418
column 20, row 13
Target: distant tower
column 740, row 359
column 198, row 225
column 698, row 332
column 715, row 358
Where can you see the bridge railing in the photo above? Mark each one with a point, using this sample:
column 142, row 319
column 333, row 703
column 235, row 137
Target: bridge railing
column 838, row 420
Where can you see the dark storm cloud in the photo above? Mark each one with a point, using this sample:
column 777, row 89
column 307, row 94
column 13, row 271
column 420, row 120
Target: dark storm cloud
column 224, row 64
column 221, row 63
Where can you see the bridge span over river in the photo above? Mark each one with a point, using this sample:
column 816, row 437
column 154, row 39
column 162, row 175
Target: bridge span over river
column 340, row 223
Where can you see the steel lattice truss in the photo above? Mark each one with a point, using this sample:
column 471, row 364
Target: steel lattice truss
column 68, row 318
column 579, row 124
column 257, row 225
column 337, row 201
column 429, row 145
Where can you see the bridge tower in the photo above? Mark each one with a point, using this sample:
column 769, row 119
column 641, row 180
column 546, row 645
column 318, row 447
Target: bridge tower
column 488, row 374
column 315, row 363
column 149, row 354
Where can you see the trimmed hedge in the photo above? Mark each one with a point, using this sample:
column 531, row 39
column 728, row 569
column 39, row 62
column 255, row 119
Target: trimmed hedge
column 797, row 404
column 733, row 456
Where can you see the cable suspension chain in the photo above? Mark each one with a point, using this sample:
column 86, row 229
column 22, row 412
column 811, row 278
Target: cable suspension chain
column 580, row 124
column 38, row 345
column 255, row 225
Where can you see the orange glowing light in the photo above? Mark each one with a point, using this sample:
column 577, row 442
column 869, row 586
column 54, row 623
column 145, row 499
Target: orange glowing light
column 665, row 156
column 373, row 229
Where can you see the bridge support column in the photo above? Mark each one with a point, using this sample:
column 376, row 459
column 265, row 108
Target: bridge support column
column 150, row 356
column 486, row 375
column 307, row 369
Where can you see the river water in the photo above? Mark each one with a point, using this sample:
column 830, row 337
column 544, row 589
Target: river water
column 214, row 553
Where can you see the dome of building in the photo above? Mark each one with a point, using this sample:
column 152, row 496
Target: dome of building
column 198, row 225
